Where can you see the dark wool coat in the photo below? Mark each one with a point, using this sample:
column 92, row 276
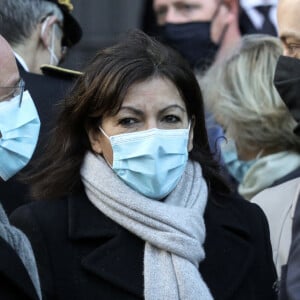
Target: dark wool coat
column 15, row 283
column 82, row 254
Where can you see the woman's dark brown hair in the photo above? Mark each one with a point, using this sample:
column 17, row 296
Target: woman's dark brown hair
column 100, row 91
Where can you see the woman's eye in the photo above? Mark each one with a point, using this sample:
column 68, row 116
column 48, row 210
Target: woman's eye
column 127, row 121
column 171, row 119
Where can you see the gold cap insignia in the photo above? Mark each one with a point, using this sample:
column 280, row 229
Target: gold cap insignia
column 67, row 3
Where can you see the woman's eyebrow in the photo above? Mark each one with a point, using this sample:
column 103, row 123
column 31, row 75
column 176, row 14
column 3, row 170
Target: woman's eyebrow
column 132, row 110
column 173, row 106
column 140, row 112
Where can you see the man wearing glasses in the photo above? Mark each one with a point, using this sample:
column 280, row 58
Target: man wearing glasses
column 19, row 129
column 39, row 31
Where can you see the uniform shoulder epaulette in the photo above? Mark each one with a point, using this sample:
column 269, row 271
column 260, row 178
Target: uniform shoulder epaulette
column 60, row 72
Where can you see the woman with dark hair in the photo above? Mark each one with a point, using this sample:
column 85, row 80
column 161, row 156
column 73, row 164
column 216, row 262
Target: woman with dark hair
column 134, row 204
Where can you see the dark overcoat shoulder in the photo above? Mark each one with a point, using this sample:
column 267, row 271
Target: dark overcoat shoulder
column 82, row 254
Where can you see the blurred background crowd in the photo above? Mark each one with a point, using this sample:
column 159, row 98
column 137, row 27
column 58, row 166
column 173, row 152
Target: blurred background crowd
column 104, row 21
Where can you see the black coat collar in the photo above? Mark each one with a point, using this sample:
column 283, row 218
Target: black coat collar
column 228, row 247
column 119, row 256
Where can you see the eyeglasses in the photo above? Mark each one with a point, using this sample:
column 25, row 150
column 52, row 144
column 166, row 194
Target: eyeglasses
column 9, row 92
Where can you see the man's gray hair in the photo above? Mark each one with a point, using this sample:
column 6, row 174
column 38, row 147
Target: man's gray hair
column 18, row 18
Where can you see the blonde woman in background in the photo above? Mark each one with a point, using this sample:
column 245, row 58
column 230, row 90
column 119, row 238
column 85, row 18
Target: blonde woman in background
column 253, row 115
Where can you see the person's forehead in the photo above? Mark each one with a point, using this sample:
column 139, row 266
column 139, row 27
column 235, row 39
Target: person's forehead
column 289, row 6
column 288, row 2
column 288, row 18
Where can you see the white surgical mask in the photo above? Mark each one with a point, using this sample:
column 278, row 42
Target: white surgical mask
column 19, row 126
column 152, row 161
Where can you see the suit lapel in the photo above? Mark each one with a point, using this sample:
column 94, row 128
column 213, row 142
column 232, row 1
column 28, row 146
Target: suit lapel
column 13, row 269
column 117, row 257
column 228, row 249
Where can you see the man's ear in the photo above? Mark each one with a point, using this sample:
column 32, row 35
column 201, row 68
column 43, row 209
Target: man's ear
column 46, row 30
column 228, row 14
column 233, row 8
column 95, row 141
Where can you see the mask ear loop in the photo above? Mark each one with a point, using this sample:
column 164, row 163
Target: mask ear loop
column 100, row 128
column 191, row 122
column 259, row 154
column 53, row 57
column 45, row 23
column 190, row 134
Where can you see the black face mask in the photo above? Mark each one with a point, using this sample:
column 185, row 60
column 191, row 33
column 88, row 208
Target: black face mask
column 192, row 41
column 287, row 83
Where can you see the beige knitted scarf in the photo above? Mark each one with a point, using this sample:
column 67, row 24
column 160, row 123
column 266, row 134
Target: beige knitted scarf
column 173, row 230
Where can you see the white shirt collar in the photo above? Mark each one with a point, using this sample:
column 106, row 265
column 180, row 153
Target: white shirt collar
column 21, row 61
column 252, row 3
column 256, row 18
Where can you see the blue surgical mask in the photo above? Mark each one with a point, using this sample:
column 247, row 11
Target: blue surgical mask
column 19, row 127
column 236, row 167
column 152, row 161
